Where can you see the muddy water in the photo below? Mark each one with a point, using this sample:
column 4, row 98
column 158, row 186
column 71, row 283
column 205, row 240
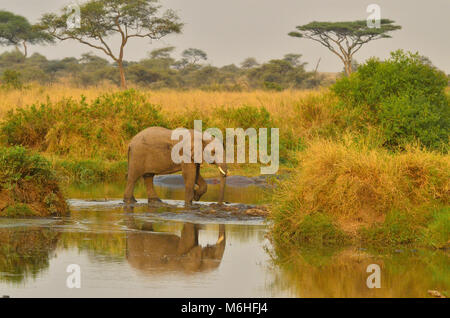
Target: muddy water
column 168, row 251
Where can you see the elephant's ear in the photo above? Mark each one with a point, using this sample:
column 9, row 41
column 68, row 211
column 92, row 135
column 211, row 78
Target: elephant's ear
column 214, row 148
column 213, row 145
column 196, row 152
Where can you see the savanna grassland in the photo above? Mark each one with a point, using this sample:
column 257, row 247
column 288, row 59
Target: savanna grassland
column 86, row 129
column 365, row 160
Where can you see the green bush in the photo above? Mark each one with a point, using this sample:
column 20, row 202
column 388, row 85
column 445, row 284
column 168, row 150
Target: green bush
column 11, row 80
column 90, row 171
column 399, row 228
column 18, row 164
column 437, row 232
column 405, row 119
column 28, row 186
column 19, row 211
column 319, row 228
column 244, row 117
column 100, row 129
column 404, row 96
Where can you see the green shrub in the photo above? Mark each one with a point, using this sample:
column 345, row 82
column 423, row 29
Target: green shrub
column 244, row 117
column 312, row 229
column 11, row 80
column 272, row 86
column 28, row 186
column 90, row 171
column 186, row 119
column 18, row 164
column 399, row 228
column 19, row 211
column 100, row 129
column 319, row 228
column 405, row 119
column 437, row 232
column 404, row 96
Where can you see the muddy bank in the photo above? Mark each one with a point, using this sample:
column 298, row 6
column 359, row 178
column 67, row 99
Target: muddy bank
column 175, row 209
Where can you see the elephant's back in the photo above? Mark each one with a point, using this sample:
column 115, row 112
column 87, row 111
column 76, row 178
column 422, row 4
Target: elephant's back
column 152, row 136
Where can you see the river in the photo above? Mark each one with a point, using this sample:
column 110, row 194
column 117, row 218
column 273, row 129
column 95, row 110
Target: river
column 168, row 251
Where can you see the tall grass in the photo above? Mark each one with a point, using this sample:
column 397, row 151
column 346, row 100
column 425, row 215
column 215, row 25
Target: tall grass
column 170, row 100
column 358, row 187
column 91, row 127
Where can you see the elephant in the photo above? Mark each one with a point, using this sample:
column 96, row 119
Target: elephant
column 152, row 252
column 150, row 154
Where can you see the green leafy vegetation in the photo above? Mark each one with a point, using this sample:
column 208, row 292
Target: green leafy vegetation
column 399, row 228
column 437, row 232
column 163, row 71
column 100, row 129
column 11, row 80
column 28, row 185
column 403, row 96
column 314, row 229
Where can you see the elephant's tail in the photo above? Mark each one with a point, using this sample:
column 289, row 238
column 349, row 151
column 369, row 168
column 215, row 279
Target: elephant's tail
column 128, row 161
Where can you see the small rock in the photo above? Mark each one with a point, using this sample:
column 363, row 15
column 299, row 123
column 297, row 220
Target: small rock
column 257, row 212
column 436, row 294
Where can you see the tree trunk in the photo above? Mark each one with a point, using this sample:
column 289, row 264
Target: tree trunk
column 25, row 49
column 348, row 67
column 123, row 82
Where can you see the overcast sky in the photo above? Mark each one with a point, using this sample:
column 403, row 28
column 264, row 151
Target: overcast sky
column 231, row 30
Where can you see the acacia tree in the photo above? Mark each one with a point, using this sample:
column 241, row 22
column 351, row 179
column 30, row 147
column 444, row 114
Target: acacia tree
column 162, row 53
column 17, row 31
column 249, row 63
column 102, row 19
column 193, row 56
column 344, row 38
column 190, row 58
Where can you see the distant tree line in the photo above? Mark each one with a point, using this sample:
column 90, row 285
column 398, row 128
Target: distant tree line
column 161, row 70
column 99, row 20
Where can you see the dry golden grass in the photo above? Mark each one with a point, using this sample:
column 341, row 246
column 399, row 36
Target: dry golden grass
column 358, row 186
column 170, row 100
column 300, row 115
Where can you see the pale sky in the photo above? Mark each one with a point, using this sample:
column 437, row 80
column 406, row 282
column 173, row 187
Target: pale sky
column 231, row 30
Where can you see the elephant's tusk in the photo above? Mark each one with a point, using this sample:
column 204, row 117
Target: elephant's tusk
column 196, row 187
column 221, row 171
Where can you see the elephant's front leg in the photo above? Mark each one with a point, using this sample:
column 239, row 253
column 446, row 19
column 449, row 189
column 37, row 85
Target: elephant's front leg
column 201, row 188
column 189, row 173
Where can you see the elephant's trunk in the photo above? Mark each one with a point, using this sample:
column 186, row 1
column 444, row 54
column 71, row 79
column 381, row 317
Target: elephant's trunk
column 222, row 188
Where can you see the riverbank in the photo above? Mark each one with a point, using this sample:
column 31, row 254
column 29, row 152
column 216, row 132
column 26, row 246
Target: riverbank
column 28, row 185
column 346, row 193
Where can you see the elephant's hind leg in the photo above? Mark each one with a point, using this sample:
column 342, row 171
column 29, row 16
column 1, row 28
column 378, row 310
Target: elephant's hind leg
column 129, row 190
column 151, row 193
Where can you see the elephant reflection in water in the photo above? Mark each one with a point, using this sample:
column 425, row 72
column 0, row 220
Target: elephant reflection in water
column 152, row 252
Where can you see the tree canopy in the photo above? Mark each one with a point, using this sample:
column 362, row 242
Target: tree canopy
column 17, row 31
column 102, row 19
column 344, row 38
